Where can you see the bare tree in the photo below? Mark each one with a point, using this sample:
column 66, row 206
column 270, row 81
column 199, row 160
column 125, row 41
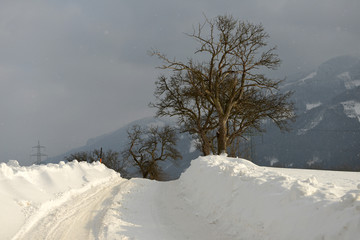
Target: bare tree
column 78, row 156
column 149, row 146
column 223, row 96
column 110, row 159
column 195, row 115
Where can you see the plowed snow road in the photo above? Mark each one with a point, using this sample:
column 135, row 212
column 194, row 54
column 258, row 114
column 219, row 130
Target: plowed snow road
column 124, row 209
column 78, row 218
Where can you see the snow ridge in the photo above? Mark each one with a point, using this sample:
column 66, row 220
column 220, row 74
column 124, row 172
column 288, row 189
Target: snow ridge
column 261, row 203
column 27, row 194
column 216, row 198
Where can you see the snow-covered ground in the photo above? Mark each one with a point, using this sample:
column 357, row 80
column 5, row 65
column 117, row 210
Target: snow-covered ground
column 29, row 194
column 216, row 198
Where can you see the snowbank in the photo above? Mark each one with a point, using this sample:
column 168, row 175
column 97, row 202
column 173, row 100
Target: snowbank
column 216, row 198
column 29, row 193
column 250, row 202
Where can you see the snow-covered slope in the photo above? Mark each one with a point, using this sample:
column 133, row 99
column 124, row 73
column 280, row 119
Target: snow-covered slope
column 216, row 198
column 250, row 202
column 326, row 133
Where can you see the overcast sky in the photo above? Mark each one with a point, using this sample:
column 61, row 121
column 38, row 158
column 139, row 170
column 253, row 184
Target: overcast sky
column 71, row 70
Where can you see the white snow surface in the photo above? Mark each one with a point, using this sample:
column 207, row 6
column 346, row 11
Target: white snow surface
column 301, row 81
column 352, row 109
column 310, row 76
column 216, row 198
column 349, row 82
column 310, row 106
column 28, row 194
column 316, row 120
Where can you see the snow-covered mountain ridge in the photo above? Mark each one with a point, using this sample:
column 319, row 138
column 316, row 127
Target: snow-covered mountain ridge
column 330, row 79
column 216, row 198
column 326, row 133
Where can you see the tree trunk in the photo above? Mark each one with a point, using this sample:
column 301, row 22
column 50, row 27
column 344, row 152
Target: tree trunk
column 205, row 145
column 222, row 137
column 206, row 148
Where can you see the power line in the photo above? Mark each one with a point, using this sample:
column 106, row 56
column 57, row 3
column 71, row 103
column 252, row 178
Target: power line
column 38, row 153
column 332, row 130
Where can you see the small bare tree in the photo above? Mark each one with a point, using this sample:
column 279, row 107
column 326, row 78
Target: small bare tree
column 223, row 96
column 110, row 159
column 78, row 156
column 149, row 146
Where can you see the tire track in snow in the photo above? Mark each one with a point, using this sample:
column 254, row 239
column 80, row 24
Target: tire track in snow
column 157, row 210
column 79, row 218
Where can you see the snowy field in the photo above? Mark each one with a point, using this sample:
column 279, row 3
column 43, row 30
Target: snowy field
column 216, row 198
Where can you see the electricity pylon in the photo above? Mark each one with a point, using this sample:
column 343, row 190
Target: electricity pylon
column 38, row 153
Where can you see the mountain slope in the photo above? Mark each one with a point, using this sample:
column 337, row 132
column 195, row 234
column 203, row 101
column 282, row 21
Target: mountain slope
column 326, row 133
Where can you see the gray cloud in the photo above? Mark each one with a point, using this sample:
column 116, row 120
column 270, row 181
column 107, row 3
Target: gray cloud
column 71, row 70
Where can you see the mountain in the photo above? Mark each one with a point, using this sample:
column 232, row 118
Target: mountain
column 330, row 79
column 326, row 133
column 118, row 140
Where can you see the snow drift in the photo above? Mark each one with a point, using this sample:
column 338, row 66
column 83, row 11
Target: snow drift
column 216, row 198
column 29, row 193
column 250, row 202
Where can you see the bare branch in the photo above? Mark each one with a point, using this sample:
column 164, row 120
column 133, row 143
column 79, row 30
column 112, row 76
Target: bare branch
column 222, row 97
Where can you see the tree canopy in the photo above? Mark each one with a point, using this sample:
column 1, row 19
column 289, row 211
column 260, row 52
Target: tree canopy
column 147, row 147
column 224, row 94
